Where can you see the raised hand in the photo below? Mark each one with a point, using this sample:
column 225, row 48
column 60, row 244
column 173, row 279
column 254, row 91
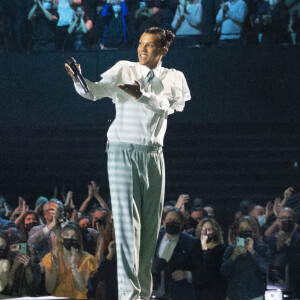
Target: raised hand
column 132, row 89
column 179, row 275
column 73, row 259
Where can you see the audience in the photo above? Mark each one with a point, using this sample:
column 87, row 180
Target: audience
column 114, row 24
column 78, row 259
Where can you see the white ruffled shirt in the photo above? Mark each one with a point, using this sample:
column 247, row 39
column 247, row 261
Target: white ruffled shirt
column 142, row 121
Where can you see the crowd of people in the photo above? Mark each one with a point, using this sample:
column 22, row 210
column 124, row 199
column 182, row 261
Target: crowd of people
column 56, row 248
column 51, row 25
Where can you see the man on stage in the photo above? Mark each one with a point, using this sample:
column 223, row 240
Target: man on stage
column 144, row 94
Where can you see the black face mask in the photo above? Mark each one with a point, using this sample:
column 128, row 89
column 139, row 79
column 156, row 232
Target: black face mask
column 288, row 225
column 2, row 253
column 210, row 238
column 14, row 253
column 101, row 223
column 172, row 228
column 29, row 226
column 245, row 234
column 68, row 243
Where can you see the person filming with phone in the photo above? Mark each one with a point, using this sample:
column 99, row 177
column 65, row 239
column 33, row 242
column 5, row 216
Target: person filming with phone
column 246, row 263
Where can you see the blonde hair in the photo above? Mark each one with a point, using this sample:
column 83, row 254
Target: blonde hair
column 77, row 229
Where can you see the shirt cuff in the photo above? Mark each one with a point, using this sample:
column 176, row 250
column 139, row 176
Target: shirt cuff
column 189, row 277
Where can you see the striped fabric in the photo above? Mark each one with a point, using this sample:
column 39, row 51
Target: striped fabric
column 137, row 181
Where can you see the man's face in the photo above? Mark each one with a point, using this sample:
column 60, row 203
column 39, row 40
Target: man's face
column 98, row 215
column 150, row 51
column 257, row 211
column 172, row 216
column 84, row 223
column 49, row 212
column 285, row 215
column 197, row 215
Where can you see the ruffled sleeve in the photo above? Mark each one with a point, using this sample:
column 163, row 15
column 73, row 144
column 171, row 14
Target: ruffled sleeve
column 180, row 93
column 47, row 261
column 88, row 265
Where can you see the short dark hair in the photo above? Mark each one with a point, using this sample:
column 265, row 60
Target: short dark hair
column 166, row 37
column 177, row 211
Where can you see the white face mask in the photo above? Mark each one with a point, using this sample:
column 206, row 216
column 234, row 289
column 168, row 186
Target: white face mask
column 47, row 5
column 262, row 220
column 116, row 8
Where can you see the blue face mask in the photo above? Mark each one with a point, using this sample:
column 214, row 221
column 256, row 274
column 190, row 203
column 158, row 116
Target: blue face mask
column 262, row 220
column 47, row 5
column 116, row 8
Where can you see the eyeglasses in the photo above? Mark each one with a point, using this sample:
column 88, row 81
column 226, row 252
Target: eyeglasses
column 286, row 218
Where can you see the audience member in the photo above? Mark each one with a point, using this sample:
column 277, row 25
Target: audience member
column 44, row 237
column 66, row 15
column 246, row 263
column 24, row 274
column 187, row 21
column 285, row 250
column 68, row 268
column 113, row 30
column 231, row 17
column 79, row 28
column 165, row 10
column 4, row 263
column 174, row 259
column 44, row 19
column 28, row 220
column 208, row 282
column 274, row 23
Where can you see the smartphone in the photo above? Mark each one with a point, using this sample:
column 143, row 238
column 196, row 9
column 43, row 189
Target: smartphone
column 142, row 4
column 23, row 248
column 240, row 241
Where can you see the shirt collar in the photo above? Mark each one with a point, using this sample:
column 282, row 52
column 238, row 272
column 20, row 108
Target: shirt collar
column 173, row 238
column 145, row 70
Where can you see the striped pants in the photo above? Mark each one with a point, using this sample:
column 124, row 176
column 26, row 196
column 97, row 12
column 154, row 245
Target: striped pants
column 137, row 186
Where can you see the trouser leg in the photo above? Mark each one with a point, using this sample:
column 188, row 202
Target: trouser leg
column 136, row 180
column 151, row 210
column 126, row 229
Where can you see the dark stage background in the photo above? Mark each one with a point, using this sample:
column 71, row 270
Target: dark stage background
column 238, row 137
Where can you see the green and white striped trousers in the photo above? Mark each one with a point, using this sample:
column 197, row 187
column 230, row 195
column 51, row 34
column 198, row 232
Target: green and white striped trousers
column 137, row 186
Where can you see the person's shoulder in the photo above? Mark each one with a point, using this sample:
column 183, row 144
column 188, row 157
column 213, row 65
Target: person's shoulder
column 172, row 72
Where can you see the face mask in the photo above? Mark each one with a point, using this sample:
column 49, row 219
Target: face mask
column 116, row 8
column 287, row 226
column 172, row 228
column 47, row 5
column 262, row 220
column 29, row 226
column 68, row 243
column 245, row 234
column 14, row 253
column 210, row 238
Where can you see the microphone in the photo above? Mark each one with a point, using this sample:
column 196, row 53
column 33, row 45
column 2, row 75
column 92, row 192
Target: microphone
column 71, row 62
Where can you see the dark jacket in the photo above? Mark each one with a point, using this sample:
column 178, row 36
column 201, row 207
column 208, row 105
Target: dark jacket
column 247, row 273
column 183, row 258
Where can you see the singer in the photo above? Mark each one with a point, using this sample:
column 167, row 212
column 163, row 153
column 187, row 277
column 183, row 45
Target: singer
column 144, row 94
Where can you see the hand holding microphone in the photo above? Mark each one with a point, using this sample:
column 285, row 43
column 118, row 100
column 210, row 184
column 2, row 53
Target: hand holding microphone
column 74, row 71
